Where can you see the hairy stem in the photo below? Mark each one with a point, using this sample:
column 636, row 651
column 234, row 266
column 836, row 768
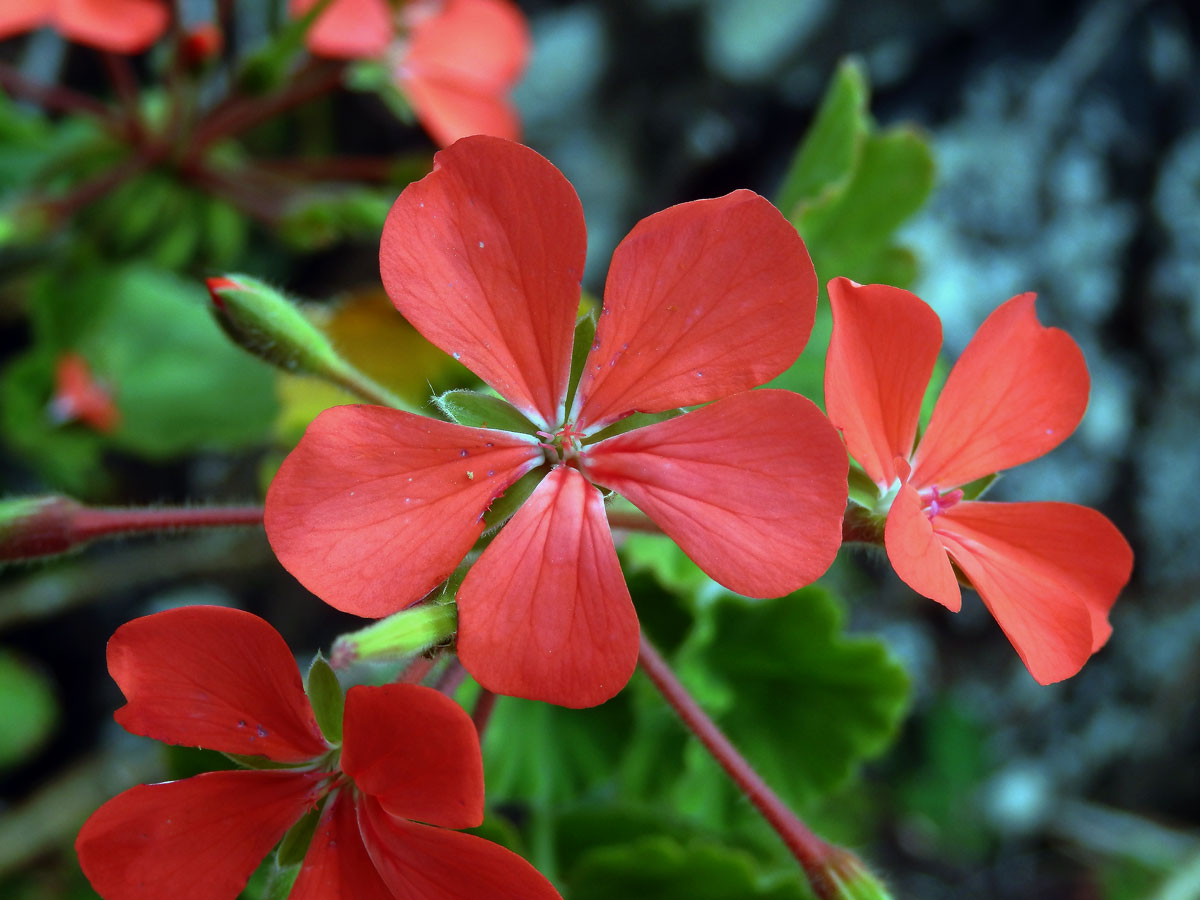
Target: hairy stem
column 89, row 524
column 814, row 855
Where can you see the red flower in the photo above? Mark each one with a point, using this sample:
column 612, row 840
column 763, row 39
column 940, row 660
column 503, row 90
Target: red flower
column 120, row 26
column 224, row 679
column 455, row 60
column 78, row 397
column 705, row 300
column 1048, row 572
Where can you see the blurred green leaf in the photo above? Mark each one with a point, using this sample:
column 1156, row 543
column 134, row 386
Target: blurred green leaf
column 325, row 695
column 30, row 709
column 831, row 700
column 665, row 869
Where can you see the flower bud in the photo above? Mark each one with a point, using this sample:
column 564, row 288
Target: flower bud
column 404, row 634
column 844, row 877
column 32, row 527
column 262, row 321
column 200, row 44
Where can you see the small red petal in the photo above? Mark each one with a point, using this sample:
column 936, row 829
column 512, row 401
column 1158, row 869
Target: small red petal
column 120, row 26
column 348, row 29
column 460, row 66
column 337, row 866
column 1049, row 572
column 375, row 506
column 484, row 257
column 917, row 554
column 16, row 18
column 1017, row 392
column 419, row 862
column 753, row 487
column 198, row 839
column 78, row 396
column 884, row 346
column 207, row 676
column 702, row 300
column 416, row 752
column 545, row 612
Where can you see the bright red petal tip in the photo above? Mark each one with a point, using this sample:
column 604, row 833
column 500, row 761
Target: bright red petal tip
column 703, row 300
column 1017, row 392
column 17, row 18
column 337, row 866
column 545, row 612
column 416, row 752
column 1049, row 572
column 207, row 676
column 753, row 487
column 917, row 554
column 484, row 257
column 460, row 66
column 198, row 839
column 119, row 26
column 419, row 862
column 375, row 506
column 884, row 346
column 348, row 29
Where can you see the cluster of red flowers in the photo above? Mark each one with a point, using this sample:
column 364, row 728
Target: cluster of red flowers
column 376, row 507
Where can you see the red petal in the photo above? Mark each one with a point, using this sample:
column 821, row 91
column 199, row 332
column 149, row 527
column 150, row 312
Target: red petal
column 753, row 487
column 416, row 752
column 418, row 862
column 375, row 506
column 916, row 553
column 461, row 64
column 703, row 299
column 1049, row 572
column 348, row 29
column 207, row 676
column 16, row 18
column 484, row 257
column 198, row 839
column 121, row 26
column 78, row 396
column 545, row 613
column 1017, row 392
column 884, row 346
column 337, row 866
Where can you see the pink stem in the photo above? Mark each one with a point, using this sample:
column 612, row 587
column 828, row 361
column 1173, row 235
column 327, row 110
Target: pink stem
column 89, row 524
column 51, row 96
column 813, row 854
column 482, row 713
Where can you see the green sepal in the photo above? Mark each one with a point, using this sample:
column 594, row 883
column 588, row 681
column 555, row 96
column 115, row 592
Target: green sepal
column 632, row 421
column 477, row 410
column 510, row 501
column 295, row 843
column 258, row 762
column 973, row 490
column 585, row 336
column 325, row 694
column 862, row 489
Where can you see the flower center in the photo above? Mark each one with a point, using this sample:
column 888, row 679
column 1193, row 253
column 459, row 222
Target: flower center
column 936, row 503
column 563, row 445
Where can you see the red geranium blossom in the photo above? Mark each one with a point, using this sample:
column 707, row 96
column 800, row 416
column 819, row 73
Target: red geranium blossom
column 455, row 60
column 79, row 397
column 704, row 301
column 120, row 26
column 1048, row 572
column 224, row 679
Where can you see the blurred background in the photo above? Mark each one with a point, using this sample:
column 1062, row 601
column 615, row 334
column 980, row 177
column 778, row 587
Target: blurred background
column 1065, row 149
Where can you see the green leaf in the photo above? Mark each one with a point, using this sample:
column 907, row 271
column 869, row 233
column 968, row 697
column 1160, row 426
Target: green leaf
column 295, row 843
column 665, row 869
column 327, row 699
column 670, row 566
column 831, row 700
column 478, row 410
column 828, row 153
column 30, row 709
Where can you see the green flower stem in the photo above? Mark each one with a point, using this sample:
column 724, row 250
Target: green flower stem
column 825, row 865
column 356, row 382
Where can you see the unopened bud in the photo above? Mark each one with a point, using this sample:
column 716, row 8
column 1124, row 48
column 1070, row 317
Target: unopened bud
column 200, row 44
column 80, row 397
column 262, row 321
column 843, row 876
column 33, row 527
column 399, row 636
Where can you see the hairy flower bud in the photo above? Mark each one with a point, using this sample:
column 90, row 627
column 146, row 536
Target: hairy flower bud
column 32, row 527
